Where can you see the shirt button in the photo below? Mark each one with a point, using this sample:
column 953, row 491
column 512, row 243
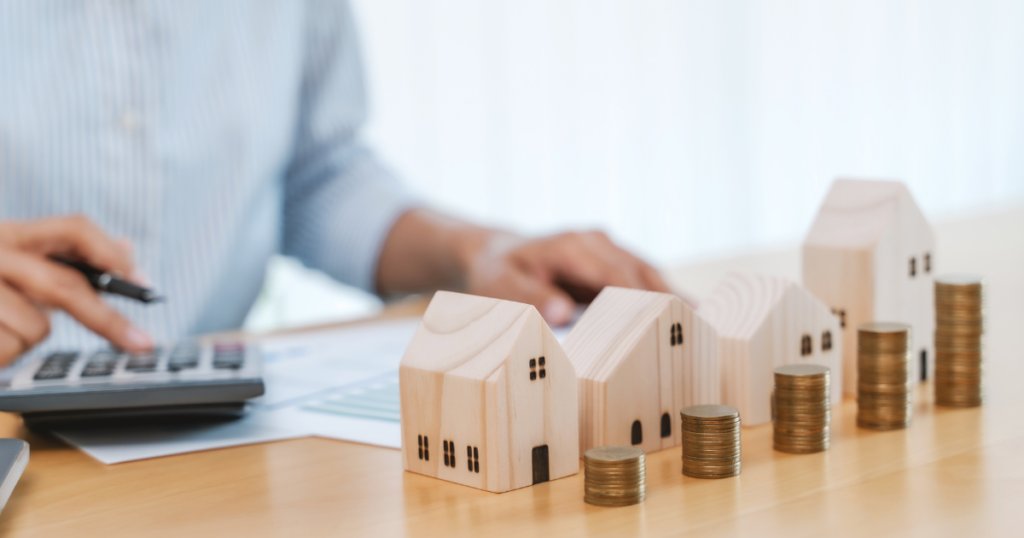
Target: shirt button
column 130, row 121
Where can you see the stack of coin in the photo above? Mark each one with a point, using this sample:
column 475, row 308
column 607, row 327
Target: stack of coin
column 883, row 376
column 959, row 340
column 711, row 441
column 614, row 476
column 800, row 408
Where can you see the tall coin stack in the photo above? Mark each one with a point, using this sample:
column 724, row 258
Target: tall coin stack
column 711, row 441
column 800, row 408
column 614, row 476
column 883, row 376
column 959, row 340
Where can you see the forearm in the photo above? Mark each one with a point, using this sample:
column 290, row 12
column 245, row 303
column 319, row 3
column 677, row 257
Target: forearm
column 426, row 250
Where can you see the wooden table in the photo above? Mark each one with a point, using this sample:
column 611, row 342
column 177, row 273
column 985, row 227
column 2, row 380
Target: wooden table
column 953, row 472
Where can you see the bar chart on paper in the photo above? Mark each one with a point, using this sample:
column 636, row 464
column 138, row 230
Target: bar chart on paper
column 376, row 400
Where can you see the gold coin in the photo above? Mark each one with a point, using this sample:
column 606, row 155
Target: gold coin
column 612, row 486
column 711, row 428
column 703, row 473
column 802, row 450
column 802, row 370
column 808, row 394
column 616, row 454
column 614, row 473
column 701, row 413
column 790, row 416
column 956, row 301
column 715, row 469
column 960, row 280
column 969, row 357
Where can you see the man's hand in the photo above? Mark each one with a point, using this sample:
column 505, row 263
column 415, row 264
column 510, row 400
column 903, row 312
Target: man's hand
column 31, row 283
column 429, row 251
column 553, row 273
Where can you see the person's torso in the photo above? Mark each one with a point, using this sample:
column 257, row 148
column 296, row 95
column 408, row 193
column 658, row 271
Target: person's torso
column 169, row 123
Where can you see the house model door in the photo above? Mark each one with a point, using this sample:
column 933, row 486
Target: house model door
column 541, row 472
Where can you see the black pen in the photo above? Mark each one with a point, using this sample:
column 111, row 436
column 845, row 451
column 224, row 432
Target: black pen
column 104, row 281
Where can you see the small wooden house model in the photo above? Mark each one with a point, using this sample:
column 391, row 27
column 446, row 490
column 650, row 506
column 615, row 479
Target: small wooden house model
column 765, row 322
column 488, row 397
column 640, row 357
column 870, row 255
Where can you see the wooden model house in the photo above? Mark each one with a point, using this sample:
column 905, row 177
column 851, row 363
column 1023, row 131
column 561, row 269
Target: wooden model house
column 870, row 257
column 764, row 322
column 640, row 357
column 488, row 396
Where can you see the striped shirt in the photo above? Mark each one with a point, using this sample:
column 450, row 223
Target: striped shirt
column 212, row 134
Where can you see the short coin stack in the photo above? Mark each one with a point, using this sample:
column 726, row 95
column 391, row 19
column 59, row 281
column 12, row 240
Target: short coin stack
column 959, row 340
column 614, row 476
column 883, row 376
column 800, row 407
column 711, row 441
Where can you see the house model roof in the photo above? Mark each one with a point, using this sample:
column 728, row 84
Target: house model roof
column 855, row 213
column 466, row 335
column 613, row 324
column 740, row 304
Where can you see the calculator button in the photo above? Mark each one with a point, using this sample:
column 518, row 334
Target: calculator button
column 229, row 357
column 56, row 366
column 232, row 362
column 142, row 362
column 232, row 347
column 184, row 356
column 177, row 364
column 185, row 350
column 102, row 363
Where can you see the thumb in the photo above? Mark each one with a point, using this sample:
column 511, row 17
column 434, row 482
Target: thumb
column 558, row 308
column 554, row 304
column 138, row 276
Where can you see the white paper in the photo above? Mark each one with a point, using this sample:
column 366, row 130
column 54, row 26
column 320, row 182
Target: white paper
column 117, row 445
column 331, row 426
column 297, row 368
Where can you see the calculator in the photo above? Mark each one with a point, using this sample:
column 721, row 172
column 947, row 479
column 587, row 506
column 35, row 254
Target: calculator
column 187, row 382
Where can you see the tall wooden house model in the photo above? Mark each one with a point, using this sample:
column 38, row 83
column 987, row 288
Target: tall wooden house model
column 488, row 396
column 870, row 255
column 764, row 322
column 640, row 357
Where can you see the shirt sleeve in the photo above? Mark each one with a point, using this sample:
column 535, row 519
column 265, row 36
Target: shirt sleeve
column 339, row 201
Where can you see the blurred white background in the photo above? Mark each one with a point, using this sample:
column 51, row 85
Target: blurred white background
column 686, row 129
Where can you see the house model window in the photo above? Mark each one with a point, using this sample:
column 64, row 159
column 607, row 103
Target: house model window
column 913, row 267
column 927, row 262
column 826, row 340
column 842, row 316
column 424, row 444
column 534, row 374
column 677, row 334
column 473, row 458
column 806, row 348
column 666, row 425
column 637, row 433
column 449, row 454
